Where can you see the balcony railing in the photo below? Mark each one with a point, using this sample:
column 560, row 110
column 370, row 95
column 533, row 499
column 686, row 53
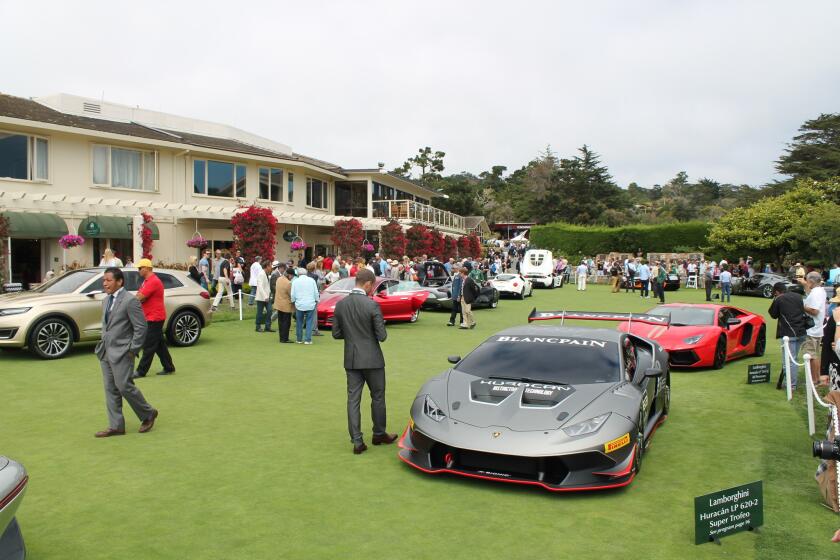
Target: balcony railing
column 411, row 211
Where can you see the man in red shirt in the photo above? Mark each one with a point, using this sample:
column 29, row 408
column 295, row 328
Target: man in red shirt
column 150, row 295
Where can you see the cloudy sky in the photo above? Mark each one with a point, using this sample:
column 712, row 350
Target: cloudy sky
column 715, row 88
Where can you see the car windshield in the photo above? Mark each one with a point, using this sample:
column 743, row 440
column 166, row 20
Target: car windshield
column 407, row 286
column 549, row 359
column 67, row 283
column 685, row 316
column 505, row 277
column 343, row 286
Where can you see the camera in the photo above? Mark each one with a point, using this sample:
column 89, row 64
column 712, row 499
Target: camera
column 828, row 450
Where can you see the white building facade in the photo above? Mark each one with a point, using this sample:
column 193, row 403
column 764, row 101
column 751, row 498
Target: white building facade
column 76, row 165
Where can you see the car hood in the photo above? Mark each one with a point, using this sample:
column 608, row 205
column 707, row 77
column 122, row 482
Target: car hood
column 329, row 300
column 516, row 405
column 670, row 336
column 21, row 299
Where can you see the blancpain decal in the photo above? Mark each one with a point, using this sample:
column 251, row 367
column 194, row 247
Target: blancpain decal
column 553, row 340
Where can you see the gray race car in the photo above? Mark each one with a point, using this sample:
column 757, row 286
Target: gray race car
column 564, row 408
column 13, row 481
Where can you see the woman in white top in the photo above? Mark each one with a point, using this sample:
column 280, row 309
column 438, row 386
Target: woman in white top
column 109, row 259
column 333, row 275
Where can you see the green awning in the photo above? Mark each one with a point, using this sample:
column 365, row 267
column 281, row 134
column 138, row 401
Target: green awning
column 111, row 227
column 32, row 225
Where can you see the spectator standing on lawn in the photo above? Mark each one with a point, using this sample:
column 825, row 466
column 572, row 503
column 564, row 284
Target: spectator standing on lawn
column 830, row 359
column 643, row 272
column 305, row 297
column 661, row 276
column 358, row 321
column 262, row 295
column 204, row 270
column 223, row 282
column 333, row 275
column 253, row 273
column 312, row 272
column 192, row 270
column 150, row 296
column 725, row 284
column 708, row 279
column 815, row 307
column 833, row 274
column 615, row 276
column 788, row 309
column 238, row 278
column 580, row 276
column 283, row 302
column 469, row 293
column 457, row 284
column 217, row 268
column 123, row 333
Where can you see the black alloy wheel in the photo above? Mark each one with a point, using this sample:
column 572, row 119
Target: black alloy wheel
column 720, row 353
column 767, row 291
column 761, row 341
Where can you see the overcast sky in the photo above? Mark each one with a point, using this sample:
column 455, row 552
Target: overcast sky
column 715, row 88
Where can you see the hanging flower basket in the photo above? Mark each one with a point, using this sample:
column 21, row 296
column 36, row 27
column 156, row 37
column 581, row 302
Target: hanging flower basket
column 368, row 247
column 197, row 242
column 298, row 245
column 70, row 241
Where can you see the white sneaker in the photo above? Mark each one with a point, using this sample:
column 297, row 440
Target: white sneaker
column 299, row 341
column 307, row 343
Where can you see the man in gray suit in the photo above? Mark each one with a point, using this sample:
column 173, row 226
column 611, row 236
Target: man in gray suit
column 358, row 320
column 123, row 332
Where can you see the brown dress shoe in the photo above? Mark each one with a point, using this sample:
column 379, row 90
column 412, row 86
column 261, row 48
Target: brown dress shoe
column 384, row 439
column 359, row 449
column 149, row 423
column 109, row 432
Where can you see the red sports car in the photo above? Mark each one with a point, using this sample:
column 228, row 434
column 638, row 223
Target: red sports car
column 396, row 305
column 704, row 334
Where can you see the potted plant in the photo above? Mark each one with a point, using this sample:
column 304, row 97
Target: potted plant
column 69, row 241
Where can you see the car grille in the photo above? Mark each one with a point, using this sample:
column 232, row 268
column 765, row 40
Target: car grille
column 683, row 357
column 6, row 334
column 549, row 470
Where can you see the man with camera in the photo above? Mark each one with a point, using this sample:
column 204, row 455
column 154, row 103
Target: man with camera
column 788, row 309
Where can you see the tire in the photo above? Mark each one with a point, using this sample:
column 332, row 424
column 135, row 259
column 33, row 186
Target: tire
column 521, row 295
column 51, row 339
column 767, row 291
column 414, row 317
column 640, row 446
column 761, row 341
column 666, row 406
column 494, row 303
column 720, row 353
column 184, row 328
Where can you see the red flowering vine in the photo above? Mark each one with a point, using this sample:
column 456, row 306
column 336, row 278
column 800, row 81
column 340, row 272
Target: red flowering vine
column 451, row 248
column 348, row 236
column 475, row 246
column 393, row 240
column 464, row 249
column 420, row 241
column 254, row 232
column 146, row 240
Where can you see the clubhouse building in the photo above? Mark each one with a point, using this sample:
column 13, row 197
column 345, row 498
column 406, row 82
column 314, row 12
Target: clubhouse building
column 70, row 164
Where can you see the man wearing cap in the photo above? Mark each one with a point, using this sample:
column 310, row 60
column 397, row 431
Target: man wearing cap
column 150, row 295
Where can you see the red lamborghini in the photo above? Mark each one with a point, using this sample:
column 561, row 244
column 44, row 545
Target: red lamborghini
column 704, row 335
column 396, row 305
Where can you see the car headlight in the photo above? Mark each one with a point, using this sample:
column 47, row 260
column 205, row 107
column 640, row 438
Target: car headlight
column 693, row 339
column 587, row 426
column 432, row 410
column 13, row 311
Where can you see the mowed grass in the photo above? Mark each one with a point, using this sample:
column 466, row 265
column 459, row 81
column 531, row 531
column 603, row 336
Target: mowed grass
column 250, row 458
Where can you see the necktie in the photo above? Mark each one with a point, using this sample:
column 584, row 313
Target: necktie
column 108, row 308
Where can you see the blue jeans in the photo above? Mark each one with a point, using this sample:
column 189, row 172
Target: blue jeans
column 307, row 318
column 791, row 366
column 263, row 315
column 725, row 292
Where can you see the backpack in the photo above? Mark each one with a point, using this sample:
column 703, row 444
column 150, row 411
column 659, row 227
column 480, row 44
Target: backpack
column 237, row 277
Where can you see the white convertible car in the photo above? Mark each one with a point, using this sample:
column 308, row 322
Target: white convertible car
column 513, row 285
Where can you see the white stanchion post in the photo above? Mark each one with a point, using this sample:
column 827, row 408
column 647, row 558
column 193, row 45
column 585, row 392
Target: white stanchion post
column 240, row 304
column 787, row 358
column 809, row 393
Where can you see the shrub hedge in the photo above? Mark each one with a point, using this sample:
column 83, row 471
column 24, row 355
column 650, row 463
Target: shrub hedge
column 568, row 239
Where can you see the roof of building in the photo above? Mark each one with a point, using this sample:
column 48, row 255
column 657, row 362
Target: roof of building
column 473, row 221
column 28, row 109
column 398, row 177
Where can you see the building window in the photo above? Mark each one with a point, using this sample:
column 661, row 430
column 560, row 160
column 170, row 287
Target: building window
column 124, row 168
column 422, row 200
column 218, row 178
column 291, row 197
column 271, row 184
column 351, row 198
column 316, row 193
column 24, row 157
column 383, row 192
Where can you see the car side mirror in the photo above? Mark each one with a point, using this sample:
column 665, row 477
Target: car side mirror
column 454, row 359
column 653, row 372
column 732, row 321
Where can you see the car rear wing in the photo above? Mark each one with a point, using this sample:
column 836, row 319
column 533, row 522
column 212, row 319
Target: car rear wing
column 535, row 315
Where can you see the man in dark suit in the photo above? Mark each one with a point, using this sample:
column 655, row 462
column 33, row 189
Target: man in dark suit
column 469, row 293
column 358, row 321
column 123, row 333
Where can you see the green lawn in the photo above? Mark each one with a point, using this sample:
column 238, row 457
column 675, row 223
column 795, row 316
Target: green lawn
column 250, row 458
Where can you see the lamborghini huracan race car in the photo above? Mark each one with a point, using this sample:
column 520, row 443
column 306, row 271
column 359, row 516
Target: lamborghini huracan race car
column 560, row 407
column 703, row 334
